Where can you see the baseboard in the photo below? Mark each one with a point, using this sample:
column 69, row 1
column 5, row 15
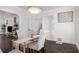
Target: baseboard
column 77, row 45
column 63, row 42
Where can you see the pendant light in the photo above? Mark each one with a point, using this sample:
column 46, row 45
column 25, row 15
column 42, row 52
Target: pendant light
column 34, row 10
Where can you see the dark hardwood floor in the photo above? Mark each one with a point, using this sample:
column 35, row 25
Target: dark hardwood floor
column 52, row 47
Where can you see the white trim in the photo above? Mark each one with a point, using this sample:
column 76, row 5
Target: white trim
column 77, row 45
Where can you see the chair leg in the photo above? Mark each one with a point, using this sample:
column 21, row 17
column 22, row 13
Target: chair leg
column 29, row 50
column 37, row 51
column 43, row 50
column 33, row 51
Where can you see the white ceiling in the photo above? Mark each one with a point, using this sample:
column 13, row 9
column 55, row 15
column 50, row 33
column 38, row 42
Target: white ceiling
column 44, row 8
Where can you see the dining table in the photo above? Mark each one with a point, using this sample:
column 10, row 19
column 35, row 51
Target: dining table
column 25, row 41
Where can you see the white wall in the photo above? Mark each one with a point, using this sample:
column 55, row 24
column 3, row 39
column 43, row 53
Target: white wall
column 35, row 23
column 65, row 31
column 23, row 19
column 77, row 27
column 47, row 26
column 57, row 30
column 1, row 22
column 6, row 16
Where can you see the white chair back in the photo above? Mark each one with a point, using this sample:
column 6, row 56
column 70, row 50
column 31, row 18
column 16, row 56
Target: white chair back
column 19, row 34
column 19, row 38
column 41, row 40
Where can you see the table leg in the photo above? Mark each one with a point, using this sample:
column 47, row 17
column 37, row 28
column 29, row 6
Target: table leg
column 24, row 49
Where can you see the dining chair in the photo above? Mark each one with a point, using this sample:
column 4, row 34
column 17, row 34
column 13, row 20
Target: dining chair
column 1, row 51
column 38, row 45
column 15, row 51
column 16, row 46
column 19, row 34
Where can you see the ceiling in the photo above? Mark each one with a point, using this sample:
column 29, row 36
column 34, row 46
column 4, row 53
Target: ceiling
column 44, row 8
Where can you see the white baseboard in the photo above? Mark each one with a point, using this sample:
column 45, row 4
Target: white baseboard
column 77, row 44
column 62, row 41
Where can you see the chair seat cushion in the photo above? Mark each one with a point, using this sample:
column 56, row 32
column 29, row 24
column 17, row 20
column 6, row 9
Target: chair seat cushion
column 33, row 45
column 15, row 51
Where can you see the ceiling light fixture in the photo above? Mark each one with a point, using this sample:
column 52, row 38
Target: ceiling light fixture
column 34, row 10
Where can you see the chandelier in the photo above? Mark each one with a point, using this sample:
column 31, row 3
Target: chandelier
column 34, row 10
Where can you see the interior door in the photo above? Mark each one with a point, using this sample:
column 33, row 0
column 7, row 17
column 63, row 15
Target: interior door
column 47, row 26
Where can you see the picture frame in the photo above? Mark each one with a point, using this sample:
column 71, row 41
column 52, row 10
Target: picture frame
column 65, row 17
